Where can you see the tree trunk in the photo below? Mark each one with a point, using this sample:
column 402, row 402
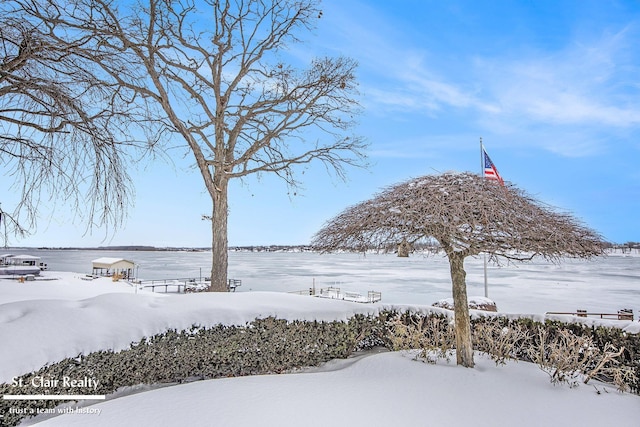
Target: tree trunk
column 464, row 345
column 219, row 244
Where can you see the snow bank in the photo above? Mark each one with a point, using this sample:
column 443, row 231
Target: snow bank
column 387, row 389
column 39, row 332
column 47, row 321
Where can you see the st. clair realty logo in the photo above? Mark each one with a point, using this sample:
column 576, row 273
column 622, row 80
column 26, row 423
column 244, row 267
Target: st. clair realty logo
column 40, row 382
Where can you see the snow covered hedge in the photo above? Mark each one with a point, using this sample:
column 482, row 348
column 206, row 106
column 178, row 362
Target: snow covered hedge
column 568, row 352
column 605, row 339
column 264, row 346
column 272, row 345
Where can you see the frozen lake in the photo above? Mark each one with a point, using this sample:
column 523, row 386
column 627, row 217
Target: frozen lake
column 606, row 284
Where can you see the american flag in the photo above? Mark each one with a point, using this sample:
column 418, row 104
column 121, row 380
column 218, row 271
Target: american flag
column 490, row 171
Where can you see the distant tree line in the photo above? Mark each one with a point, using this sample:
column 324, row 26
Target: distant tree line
column 625, row 247
column 272, row 248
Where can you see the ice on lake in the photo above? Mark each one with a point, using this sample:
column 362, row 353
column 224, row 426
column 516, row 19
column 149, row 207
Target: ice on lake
column 604, row 284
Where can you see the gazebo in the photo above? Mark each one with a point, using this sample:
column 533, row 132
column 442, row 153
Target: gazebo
column 107, row 266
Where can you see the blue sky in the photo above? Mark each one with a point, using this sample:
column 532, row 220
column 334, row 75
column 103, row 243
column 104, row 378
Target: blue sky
column 551, row 87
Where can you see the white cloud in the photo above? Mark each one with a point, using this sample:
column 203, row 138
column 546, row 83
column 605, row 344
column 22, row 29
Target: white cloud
column 583, row 84
column 571, row 100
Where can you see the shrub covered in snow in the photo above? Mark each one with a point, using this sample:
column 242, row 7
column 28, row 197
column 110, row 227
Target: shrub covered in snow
column 568, row 352
column 474, row 303
column 603, row 353
column 264, row 346
column 433, row 335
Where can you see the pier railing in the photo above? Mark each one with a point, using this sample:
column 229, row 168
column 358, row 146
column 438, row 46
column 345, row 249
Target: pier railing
column 622, row 314
column 335, row 293
column 182, row 285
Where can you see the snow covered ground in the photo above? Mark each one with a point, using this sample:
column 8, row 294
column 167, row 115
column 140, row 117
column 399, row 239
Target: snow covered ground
column 46, row 320
column 387, row 389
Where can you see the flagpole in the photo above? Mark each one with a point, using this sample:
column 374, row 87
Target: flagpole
column 486, row 286
column 481, row 159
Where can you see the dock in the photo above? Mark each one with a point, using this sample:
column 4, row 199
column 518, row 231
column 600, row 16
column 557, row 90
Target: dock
column 622, row 314
column 336, row 293
column 184, row 285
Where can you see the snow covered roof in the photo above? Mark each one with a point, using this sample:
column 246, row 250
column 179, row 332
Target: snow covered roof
column 24, row 257
column 108, row 262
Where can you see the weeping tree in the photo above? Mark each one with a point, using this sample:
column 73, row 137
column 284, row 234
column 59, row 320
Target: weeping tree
column 467, row 215
column 61, row 126
column 215, row 71
column 9, row 226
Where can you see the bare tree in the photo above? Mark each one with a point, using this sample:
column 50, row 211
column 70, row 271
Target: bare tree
column 214, row 70
column 9, row 226
column 61, row 124
column 467, row 215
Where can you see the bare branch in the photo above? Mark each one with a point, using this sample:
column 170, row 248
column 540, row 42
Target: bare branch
column 464, row 213
column 467, row 215
column 64, row 128
column 211, row 74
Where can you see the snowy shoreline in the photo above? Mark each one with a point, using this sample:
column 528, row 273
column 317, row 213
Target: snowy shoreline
column 45, row 321
column 117, row 315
